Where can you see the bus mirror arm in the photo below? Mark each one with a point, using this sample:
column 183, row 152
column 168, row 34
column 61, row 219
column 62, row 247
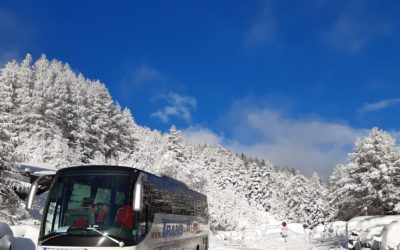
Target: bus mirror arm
column 37, row 187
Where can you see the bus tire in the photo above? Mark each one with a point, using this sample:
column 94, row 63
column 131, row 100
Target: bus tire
column 197, row 247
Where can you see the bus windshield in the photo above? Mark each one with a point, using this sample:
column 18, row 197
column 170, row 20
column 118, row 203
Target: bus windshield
column 102, row 201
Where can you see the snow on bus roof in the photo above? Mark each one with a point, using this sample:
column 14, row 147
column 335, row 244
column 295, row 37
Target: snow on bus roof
column 43, row 173
column 36, row 167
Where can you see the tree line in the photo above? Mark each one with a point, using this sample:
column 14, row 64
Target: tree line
column 50, row 114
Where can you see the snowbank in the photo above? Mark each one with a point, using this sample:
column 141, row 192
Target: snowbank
column 366, row 229
column 391, row 236
column 360, row 224
column 335, row 229
column 372, row 233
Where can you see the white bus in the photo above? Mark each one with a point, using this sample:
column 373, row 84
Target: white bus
column 112, row 207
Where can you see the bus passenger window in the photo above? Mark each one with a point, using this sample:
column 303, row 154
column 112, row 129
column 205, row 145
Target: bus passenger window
column 120, row 198
column 144, row 222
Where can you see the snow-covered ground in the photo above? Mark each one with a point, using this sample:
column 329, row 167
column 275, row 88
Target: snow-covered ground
column 25, row 236
column 260, row 237
column 268, row 237
column 263, row 236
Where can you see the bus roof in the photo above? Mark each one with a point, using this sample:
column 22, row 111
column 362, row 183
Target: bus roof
column 120, row 169
column 100, row 168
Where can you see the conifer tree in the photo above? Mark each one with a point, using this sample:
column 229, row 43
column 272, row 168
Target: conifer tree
column 369, row 179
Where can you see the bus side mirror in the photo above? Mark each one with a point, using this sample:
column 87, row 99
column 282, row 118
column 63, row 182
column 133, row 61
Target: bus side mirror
column 138, row 193
column 138, row 197
column 40, row 185
column 31, row 196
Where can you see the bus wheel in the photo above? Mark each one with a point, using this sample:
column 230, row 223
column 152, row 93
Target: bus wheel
column 198, row 247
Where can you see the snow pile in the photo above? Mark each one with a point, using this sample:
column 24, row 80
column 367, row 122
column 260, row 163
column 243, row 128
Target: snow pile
column 335, row 229
column 356, row 226
column 371, row 234
column 367, row 229
column 391, row 236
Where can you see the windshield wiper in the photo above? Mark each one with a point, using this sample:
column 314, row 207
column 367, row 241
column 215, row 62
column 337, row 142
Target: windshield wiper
column 120, row 243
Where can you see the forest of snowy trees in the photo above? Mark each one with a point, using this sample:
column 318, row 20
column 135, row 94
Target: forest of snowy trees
column 50, row 114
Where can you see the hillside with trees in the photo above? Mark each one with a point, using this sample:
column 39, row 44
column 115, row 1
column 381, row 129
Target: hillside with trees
column 52, row 115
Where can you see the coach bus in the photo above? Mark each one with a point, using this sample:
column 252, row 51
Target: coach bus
column 113, row 207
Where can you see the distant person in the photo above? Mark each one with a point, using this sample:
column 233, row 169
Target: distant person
column 284, row 231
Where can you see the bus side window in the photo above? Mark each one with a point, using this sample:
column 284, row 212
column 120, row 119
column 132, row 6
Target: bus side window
column 145, row 219
column 158, row 198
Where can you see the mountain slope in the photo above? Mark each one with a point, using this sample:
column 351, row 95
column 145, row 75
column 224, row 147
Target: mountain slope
column 52, row 115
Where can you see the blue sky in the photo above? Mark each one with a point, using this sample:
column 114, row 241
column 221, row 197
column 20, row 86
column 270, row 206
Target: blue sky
column 291, row 81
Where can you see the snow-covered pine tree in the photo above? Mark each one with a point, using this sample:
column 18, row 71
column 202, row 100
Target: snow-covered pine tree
column 321, row 210
column 174, row 156
column 370, row 178
column 126, row 140
column 10, row 184
column 23, row 112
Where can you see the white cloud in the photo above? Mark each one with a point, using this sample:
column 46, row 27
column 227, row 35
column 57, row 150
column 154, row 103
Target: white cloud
column 263, row 28
column 369, row 107
column 258, row 130
column 177, row 105
column 202, row 135
column 140, row 80
column 145, row 74
column 310, row 144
